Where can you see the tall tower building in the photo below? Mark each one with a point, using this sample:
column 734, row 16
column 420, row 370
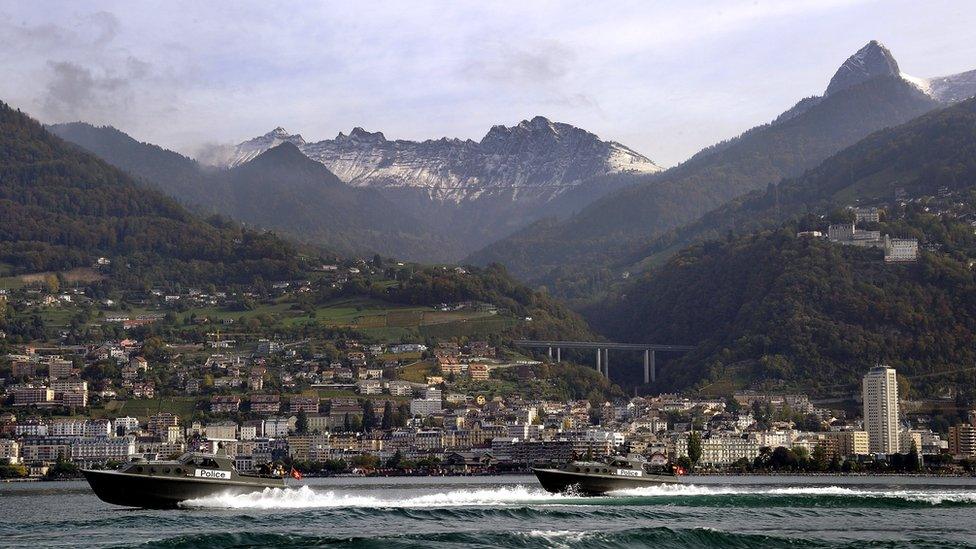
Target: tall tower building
column 880, row 395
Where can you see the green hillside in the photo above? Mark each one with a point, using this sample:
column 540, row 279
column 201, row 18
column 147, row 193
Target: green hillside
column 772, row 309
column 61, row 208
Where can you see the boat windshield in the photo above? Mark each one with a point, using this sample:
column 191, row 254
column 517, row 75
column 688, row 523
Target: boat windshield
column 199, row 461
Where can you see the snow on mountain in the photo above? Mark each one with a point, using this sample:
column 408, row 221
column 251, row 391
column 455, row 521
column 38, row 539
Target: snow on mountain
column 537, row 155
column 869, row 62
column 248, row 150
column 947, row 89
column 874, row 60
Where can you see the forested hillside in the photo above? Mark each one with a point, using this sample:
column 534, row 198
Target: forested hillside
column 572, row 256
column 937, row 150
column 62, row 208
column 770, row 308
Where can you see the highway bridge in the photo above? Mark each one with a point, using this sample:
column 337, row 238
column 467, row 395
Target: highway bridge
column 602, row 349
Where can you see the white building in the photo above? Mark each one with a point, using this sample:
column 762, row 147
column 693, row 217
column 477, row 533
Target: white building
column 425, row 406
column 400, row 388
column 247, row 432
column 721, row 450
column 867, row 215
column 96, row 450
column 900, row 249
column 880, row 394
column 277, row 427
column 9, row 451
column 125, row 425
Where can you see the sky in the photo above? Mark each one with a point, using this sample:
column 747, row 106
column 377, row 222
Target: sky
column 664, row 78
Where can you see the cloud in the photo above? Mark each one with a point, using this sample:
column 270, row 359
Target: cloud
column 543, row 64
column 662, row 77
column 74, row 91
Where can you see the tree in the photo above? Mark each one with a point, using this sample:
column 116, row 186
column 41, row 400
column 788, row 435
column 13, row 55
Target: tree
column 732, row 405
column 369, row 415
column 783, row 458
column 395, row 460
column 819, row 457
column 694, row 447
column 913, row 462
column 51, row 284
column 367, row 461
column 388, row 418
column 301, row 423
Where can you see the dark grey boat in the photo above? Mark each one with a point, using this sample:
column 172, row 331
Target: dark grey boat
column 592, row 478
column 163, row 484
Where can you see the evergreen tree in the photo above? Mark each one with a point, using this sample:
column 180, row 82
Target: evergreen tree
column 694, row 447
column 388, row 418
column 369, row 416
column 301, row 423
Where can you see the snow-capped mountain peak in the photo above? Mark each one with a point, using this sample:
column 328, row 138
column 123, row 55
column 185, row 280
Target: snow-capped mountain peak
column 250, row 149
column 874, row 60
column 536, row 157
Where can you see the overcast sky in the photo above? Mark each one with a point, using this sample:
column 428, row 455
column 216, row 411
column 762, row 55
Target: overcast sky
column 665, row 78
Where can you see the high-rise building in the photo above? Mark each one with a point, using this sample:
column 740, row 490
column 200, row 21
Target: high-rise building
column 880, row 395
column 962, row 440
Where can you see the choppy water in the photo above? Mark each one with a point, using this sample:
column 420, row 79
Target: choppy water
column 512, row 512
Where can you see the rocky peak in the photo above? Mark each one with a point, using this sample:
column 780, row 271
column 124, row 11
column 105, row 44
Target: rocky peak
column 536, row 130
column 869, row 62
column 359, row 135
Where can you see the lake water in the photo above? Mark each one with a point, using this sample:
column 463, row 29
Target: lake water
column 512, row 512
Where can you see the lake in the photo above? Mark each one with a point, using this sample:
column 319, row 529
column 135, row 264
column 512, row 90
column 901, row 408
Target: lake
column 512, row 511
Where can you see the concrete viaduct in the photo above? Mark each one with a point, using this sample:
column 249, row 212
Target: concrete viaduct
column 603, row 352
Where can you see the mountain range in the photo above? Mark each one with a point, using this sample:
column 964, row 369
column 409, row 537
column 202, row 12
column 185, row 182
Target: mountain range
column 556, row 204
column 360, row 193
column 279, row 188
column 537, row 158
column 578, row 256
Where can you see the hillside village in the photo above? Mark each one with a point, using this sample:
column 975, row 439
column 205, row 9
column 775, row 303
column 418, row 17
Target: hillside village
column 338, row 401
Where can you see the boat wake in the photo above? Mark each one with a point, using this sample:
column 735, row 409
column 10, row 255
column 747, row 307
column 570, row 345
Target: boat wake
column 671, row 494
column 934, row 496
column 307, row 498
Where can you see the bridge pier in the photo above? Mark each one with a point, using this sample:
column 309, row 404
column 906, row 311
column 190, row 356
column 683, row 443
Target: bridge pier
column 650, row 368
column 602, row 349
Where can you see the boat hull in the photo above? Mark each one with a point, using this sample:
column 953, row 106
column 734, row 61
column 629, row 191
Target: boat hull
column 558, row 481
column 159, row 492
